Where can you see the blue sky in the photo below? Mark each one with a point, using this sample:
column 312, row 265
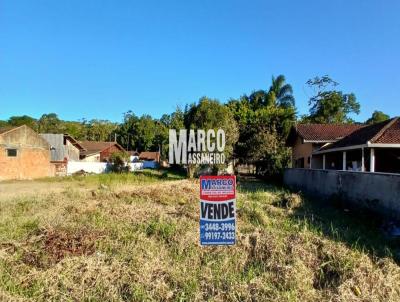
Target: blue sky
column 98, row 59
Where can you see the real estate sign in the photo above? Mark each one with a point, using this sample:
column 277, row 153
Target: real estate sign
column 217, row 210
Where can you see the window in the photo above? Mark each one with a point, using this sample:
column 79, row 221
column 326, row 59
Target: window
column 12, row 152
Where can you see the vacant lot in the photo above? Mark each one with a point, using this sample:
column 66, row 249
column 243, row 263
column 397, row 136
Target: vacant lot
column 135, row 237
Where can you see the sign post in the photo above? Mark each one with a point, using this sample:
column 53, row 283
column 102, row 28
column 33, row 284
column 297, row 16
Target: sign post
column 217, row 210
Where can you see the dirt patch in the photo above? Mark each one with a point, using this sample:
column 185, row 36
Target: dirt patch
column 54, row 245
column 61, row 244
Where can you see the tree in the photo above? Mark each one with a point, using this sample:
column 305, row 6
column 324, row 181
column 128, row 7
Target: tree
column 262, row 140
column 23, row 120
column 118, row 162
column 280, row 93
column 146, row 133
column 76, row 129
column 329, row 105
column 377, row 117
column 101, row 130
column 211, row 114
column 49, row 123
column 126, row 132
column 264, row 119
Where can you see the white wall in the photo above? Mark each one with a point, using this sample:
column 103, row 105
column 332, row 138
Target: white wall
column 92, row 158
column 136, row 166
column 95, row 167
column 90, row 167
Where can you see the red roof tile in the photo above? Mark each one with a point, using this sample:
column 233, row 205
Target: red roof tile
column 387, row 132
column 390, row 135
column 92, row 147
column 321, row 132
column 149, row 156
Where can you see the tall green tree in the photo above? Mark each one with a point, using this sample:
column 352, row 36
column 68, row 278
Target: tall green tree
column 264, row 120
column 100, row 130
column 377, row 117
column 328, row 105
column 280, row 93
column 49, row 123
column 23, row 120
column 146, row 133
column 211, row 114
column 75, row 129
column 127, row 132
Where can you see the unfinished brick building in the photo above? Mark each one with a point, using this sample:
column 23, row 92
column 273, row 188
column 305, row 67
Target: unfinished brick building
column 24, row 154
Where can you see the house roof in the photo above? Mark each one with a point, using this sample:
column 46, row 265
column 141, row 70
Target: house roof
column 149, row 155
column 56, row 139
column 74, row 142
column 390, row 134
column 93, row 147
column 387, row 132
column 323, row 133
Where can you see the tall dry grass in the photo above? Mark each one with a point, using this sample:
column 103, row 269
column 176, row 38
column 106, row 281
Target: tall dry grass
column 140, row 242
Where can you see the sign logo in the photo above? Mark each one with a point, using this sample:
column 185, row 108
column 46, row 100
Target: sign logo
column 217, row 210
column 200, row 147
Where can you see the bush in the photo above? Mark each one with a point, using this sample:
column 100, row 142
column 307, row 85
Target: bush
column 118, row 162
column 289, row 200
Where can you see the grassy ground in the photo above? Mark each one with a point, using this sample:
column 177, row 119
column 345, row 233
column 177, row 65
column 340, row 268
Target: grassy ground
column 135, row 237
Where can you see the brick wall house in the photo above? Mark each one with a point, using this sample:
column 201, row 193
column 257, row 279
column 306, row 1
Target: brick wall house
column 24, row 154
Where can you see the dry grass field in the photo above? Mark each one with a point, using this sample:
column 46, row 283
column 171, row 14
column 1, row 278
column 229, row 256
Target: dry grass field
column 135, row 238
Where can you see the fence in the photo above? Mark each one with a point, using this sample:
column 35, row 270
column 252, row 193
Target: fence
column 379, row 192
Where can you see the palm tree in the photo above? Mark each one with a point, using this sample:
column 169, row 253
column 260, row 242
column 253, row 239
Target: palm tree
column 280, row 93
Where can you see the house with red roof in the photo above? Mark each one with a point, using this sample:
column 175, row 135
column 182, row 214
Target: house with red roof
column 363, row 148
column 304, row 139
column 373, row 148
column 99, row 151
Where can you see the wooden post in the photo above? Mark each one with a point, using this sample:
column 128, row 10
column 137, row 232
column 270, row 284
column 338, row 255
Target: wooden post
column 323, row 161
column 372, row 160
column 344, row 161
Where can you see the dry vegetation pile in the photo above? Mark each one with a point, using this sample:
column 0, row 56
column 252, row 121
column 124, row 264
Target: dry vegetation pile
column 122, row 242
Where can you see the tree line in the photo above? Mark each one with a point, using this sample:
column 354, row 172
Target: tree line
column 256, row 125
